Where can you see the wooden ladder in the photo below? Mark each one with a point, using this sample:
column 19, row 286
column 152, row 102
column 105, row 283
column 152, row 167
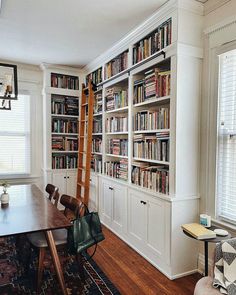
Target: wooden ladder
column 85, row 143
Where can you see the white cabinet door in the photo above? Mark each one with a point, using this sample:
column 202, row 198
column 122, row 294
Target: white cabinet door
column 137, row 215
column 156, row 226
column 71, row 178
column 106, row 195
column 59, row 179
column 119, row 207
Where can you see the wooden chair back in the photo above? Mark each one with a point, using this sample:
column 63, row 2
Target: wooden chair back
column 53, row 193
column 72, row 206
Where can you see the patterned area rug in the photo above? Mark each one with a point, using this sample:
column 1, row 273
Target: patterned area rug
column 15, row 280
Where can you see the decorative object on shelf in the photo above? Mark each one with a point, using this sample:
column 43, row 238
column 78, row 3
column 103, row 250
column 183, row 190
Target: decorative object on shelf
column 4, row 195
column 8, row 85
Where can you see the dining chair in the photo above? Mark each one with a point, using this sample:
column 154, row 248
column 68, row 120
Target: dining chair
column 38, row 240
column 53, row 193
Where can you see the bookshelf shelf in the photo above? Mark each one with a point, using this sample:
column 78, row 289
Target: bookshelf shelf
column 151, row 131
column 63, row 152
column 98, row 154
column 96, row 134
column 66, row 134
column 97, row 115
column 154, row 100
column 151, row 161
column 64, row 116
column 120, row 110
column 62, row 91
column 117, row 156
column 117, row 133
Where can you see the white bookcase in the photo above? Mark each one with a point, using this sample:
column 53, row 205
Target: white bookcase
column 60, row 124
column 150, row 221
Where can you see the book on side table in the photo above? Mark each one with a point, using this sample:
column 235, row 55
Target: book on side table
column 198, row 231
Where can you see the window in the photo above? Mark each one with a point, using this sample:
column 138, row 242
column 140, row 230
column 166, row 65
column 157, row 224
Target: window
column 15, row 146
column 226, row 139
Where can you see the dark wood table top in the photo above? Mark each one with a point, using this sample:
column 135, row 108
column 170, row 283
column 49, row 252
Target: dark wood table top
column 217, row 239
column 29, row 211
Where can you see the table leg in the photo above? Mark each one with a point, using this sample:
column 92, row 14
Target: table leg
column 206, row 257
column 56, row 260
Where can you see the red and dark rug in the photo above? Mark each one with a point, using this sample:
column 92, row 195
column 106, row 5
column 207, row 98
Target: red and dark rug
column 15, row 280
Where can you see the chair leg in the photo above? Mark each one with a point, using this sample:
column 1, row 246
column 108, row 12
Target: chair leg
column 79, row 259
column 40, row 268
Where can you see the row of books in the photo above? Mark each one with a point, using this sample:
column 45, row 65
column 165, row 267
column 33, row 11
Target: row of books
column 116, row 65
column 64, row 161
column 118, row 169
column 117, row 124
column 118, row 146
column 152, row 147
column 97, row 145
column 95, row 76
column 97, row 107
column 64, row 81
column 156, row 83
column 64, row 105
column 60, row 143
column 151, row 120
column 116, row 98
column 155, row 178
column 157, row 40
column 96, row 164
column 97, row 125
column 64, row 126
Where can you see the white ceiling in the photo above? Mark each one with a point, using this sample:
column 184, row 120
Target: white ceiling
column 69, row 32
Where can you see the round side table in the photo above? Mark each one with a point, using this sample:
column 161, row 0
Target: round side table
column 217, row 239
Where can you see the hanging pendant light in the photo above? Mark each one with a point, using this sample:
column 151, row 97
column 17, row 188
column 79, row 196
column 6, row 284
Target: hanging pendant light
column 8, row 85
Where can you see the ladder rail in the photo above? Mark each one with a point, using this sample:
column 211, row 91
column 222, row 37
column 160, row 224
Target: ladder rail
column 85, row 144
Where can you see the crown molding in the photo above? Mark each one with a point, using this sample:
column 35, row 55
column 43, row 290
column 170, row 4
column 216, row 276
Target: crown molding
column 219, row 26
column 46, row 66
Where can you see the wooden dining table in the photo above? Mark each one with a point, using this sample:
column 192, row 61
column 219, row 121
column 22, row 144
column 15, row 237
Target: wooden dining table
column 30, row 211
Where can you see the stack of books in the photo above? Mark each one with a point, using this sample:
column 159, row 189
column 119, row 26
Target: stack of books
column 117, row 124
column 64, row 105
column 116, row 98
column 97, row 145
column 96, row 164
column 118, row 146
column 64, row 125
column 151, row 120
column 116, row 65
column 97, row 108
column 95, row 76
column 118, row 169
column 97, row 125
column 64, row 81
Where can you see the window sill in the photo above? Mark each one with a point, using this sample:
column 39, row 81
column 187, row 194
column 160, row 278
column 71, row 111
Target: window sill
column 224, row 225
column 19, row 178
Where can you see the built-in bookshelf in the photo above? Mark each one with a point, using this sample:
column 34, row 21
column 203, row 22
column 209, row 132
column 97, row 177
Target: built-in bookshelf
column 95, row 76
column 151, row 111
column 153, row 42
column 116, row 65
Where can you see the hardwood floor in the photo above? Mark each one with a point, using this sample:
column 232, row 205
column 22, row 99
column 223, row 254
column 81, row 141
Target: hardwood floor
column 132, row 274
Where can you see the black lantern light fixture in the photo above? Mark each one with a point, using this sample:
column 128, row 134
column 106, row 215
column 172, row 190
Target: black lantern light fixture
column 8, row 85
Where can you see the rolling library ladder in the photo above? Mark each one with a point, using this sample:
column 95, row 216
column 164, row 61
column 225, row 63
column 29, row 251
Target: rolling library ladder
column 85, row 143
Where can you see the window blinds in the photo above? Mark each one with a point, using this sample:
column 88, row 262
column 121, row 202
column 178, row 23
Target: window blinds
column 15, row 138
column 226, row 149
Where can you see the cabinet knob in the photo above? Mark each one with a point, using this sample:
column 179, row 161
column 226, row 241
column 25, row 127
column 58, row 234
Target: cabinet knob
column 68, row 176
column 64, row 177
column 111, row 188
column 142, row 202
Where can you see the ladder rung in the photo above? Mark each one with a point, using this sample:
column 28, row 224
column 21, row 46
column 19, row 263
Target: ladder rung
column 83, row 152
column 81, row 183
column 85, row 88
column 81, row 168
column 84, row 104
column 83, row 120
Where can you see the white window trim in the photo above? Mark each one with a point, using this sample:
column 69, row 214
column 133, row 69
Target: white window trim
column 34, row 90
column 212, row 129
